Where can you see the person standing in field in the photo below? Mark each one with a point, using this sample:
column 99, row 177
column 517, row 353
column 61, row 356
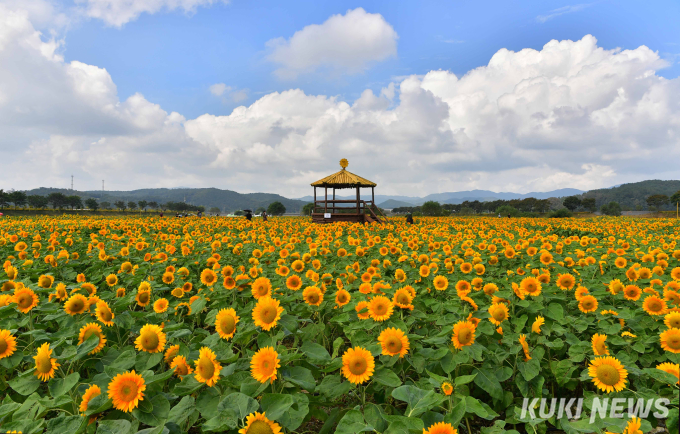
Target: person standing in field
column 264, row 216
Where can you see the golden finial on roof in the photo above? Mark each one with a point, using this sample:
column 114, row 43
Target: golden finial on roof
column 344, row 163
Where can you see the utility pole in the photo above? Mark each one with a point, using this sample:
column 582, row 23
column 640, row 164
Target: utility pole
column 71, row 182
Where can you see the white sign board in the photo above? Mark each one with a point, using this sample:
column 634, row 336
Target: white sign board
column 327, row 215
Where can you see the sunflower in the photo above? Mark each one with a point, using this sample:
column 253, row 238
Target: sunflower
column 424, row 271
column 580, row 292
column 380, row 308
column 441, row 283
column 671, row 368
column 393, row 342
column 8, row 343
column 499, row 312
column 112, row 280
column 294, row 282
column 207, row 368
column 208, row 277
column 447, row 388
column 670, row 340
column 257, row 423
column 160, row 305
column 608, row 374
column 632, row 292
column 89, row 287
column 267, row 313
column 357, row 365
column 490, row 288
column 531, row 286
column 45, row 365
column 264, row 363
column 170, row 353
column 440, row 428
column 45, row 281
column 90, row 393
column 120, row 292
column 104, row 313
column 565, row 281
column 654, row 305
column 126, row 390
column 672, row 320
column 587, row 304
column 342, row 297
column 536, row 326
column 362, row 310
column 167, row 278
column 25, row 299
column 632, row 274
column 180, row 365
column 143, row 298
column 599, row 346
column 463, row 334
column 225, row 323
column 463, row 288
column 76, row 304
column 261, row 287
column 633, row 426
column 151, row 339
column 92, row 329
column 620, row 262
column 525, row 347
column 615, row 286
column 403, row 299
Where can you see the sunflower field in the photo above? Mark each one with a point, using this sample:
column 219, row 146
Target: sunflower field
column 148, row 325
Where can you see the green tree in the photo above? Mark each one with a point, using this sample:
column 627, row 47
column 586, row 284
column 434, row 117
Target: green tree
column 507, row 210
column 656, row 201
column 676, row 197
column 153, row 205
column 18, row 198
column 612, row 208
column 74, row 202
column 307, row 209
column 3, row 199
column 276, row 208
column 589, row 204
column 105, row 205
column 120, row 205
column 132, row 205
column 431, row 208
column 259, row 210
column 57, row 200
column 92, row 204
column 571, row 202
column 143, row 204
column 37, row 201
column 214, row 210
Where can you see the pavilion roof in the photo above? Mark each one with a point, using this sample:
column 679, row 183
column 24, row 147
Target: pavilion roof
column 343, row 179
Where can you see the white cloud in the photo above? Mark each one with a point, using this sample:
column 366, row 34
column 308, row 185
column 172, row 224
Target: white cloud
column 228, row 93
column 569, row 115
column 219, row 88
column 117, row 13
column 347, row 42
column 562, row 11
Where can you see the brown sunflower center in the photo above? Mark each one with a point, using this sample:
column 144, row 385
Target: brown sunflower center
column 674, row 342
column 601, row 348
column 181, row 369
column 268, row 314
column 267, row 366
column 587, row 304
column 608, row 374
column 380, row 309
column 206, row 368
column 259, row 427
column 89, row 333
column 150, row 340
column 24, row 301
column 128, row 391
column 402, row 298
column 342, row 298
column 261, row 290
column 313, row 298
column 654, row 306
column 227, row 324
column 393, row 344
column 105, row 313
column 3, row 345
column 465, row 336
column 498, row 315
column 77, row 305
column 675, row 322
column 531, row 287
column 357, row 365
column 43, row 364
column 144, row 297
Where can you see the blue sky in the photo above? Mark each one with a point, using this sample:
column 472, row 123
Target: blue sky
column 173, row 58
column 262, row 96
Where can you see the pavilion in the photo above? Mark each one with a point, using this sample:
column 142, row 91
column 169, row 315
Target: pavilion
column 332, row 210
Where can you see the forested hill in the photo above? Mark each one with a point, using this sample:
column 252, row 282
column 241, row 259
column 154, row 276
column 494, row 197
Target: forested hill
column 225, row 200
column 634, row 195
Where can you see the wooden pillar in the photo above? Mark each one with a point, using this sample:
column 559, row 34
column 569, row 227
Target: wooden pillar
column 358, row 199
column 314, row 209
column 325, row 204
column 333, row 199
column 372, row 195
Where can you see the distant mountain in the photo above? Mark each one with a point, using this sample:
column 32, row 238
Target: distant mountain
column 633, row 196
column 391, row 204
column 225, row 200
